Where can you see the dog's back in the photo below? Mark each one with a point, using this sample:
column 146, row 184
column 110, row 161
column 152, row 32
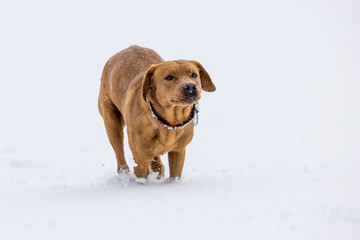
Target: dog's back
column 122, row 68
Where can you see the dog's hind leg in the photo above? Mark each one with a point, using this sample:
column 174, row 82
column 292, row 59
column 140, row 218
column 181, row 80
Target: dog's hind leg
column 114, row 123
column 157, row 166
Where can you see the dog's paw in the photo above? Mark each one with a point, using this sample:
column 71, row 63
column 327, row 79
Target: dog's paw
column 123, row 170
column 157, row 167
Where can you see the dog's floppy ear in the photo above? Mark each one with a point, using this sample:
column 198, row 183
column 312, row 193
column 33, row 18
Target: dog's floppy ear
column 147, row 79
column 206, row 83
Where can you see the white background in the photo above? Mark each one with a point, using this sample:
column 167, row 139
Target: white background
column 276, row 154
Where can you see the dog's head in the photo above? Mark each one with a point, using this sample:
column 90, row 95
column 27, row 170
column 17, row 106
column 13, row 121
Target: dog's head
column 177, row 82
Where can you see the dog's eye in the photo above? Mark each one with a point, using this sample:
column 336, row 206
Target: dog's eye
column 194, row 75
column 170, row 77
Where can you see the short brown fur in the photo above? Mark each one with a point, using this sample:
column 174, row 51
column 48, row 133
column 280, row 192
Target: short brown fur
column 132, row 78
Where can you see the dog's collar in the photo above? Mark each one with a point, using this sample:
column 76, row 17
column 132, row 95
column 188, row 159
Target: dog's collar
column 193, row 117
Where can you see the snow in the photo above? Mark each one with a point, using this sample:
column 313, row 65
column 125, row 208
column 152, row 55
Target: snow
column 276, row 152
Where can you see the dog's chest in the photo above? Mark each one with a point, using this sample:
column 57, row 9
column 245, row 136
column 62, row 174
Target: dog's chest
column 170, row 140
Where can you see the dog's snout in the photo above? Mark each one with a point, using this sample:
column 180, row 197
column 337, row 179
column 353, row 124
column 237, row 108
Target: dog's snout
column 189, row 89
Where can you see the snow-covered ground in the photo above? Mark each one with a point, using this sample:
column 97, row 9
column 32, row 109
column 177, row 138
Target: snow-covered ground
column 276, row 154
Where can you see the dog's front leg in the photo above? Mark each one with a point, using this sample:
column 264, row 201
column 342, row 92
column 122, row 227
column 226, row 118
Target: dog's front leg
column 143, row 165
column 176, row 163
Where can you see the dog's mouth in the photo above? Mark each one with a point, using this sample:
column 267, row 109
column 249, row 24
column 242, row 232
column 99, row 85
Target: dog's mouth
column 187, row 100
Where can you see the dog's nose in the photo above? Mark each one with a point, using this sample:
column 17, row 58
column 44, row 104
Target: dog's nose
column 189, row 89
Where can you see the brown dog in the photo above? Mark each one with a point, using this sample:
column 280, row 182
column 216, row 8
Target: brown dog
column 156, row 101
